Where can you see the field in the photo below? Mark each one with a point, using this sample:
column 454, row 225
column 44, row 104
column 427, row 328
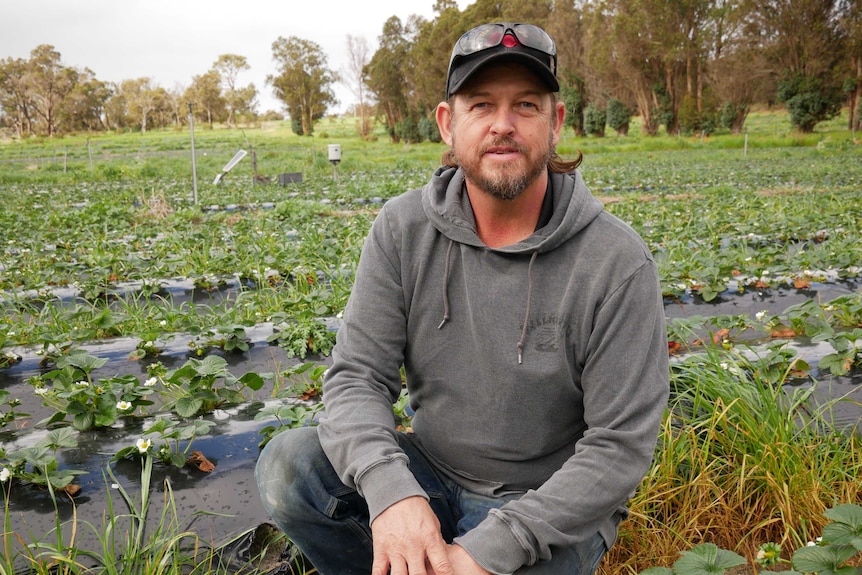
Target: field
column 158, row 327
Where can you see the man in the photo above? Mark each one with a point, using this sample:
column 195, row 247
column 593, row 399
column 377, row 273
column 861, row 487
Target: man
column 530, row 327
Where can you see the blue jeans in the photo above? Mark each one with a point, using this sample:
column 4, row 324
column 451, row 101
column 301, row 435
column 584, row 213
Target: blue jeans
column 328, row 521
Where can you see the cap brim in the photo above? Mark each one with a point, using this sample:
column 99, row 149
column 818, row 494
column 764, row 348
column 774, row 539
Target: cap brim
column 468, row 67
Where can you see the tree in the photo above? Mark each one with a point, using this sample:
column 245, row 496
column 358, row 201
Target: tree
column 142, row 98
column 850, row 25
column 385, row 75
column 618, row 116
column 304, row 83
column 738, row 72
column 14, row 97
column 83, row 107
column 237, row 99
column 205, row 93
column 354, row 76
column 803, row 40
column 624, row 46
column 47, row 82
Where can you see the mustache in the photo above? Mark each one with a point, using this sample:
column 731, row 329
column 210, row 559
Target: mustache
column 503, row 142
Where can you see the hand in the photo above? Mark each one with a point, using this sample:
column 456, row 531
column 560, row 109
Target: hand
column 407, row 541
column 463, row 563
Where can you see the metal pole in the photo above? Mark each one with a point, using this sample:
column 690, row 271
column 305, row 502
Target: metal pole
column 194, row 167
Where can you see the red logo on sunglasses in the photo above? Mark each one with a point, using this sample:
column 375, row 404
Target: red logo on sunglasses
column 509, row 41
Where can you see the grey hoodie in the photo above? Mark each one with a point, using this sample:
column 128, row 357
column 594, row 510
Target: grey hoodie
column 537, row 368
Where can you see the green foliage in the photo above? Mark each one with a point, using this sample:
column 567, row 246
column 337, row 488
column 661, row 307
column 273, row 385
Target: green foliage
column 9, row 415
column 167, row 441
column 594, row 120
column 201, row 386
column 428, row 131
column 704, row 559
column 301, row 336
column 90, row 404
column 848, row 352
column 230, row 338
column 831, row 555
column 38, row 465
column 808, row 100
column 407, row 130
column 296, row 126
column 287, row 416
column 304, row 82
column 619, row 116
column 573, row 95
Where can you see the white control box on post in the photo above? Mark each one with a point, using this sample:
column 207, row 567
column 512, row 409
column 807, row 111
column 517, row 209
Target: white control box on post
column 334, row 159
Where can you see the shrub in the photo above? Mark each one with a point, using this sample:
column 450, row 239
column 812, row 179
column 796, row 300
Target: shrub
column 618, row 116
column 428, row 130
column 408, row 130
column 594, row 120
column 572, row 93
column 808, row 101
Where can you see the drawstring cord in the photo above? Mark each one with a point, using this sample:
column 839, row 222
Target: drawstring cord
column 529, row 298
column 446, row 286
column 527, row 312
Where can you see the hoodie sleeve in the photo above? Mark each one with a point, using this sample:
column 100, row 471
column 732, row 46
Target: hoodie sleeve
column 358, row 432
column 625, row 382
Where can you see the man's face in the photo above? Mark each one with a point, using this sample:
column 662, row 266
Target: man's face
column 504, row 126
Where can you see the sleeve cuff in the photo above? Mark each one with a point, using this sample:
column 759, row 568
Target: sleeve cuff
column 495, row 546
column 386, row 484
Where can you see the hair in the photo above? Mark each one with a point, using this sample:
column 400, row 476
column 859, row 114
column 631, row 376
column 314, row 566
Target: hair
column 556, row 163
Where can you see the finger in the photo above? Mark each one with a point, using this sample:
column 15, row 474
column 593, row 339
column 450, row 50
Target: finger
column 438, row 560
column 380, row 565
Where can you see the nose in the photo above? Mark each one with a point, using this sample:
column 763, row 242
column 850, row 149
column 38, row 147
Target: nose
column 502, row 121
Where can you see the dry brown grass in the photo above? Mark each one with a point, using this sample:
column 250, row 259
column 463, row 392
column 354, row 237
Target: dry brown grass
column 155, row 206
column 698, row 492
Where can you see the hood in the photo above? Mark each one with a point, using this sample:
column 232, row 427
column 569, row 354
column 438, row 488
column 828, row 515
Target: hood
column 447, row 206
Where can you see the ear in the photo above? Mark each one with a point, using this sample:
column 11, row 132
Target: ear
column 559, row 117
column 444, row 122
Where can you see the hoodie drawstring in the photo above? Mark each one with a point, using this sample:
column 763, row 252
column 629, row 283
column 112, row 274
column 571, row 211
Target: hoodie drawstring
column 529, row 297
column 446, row 285
column 527, row 312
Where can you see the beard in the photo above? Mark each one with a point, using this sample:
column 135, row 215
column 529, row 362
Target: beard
column 507, row 181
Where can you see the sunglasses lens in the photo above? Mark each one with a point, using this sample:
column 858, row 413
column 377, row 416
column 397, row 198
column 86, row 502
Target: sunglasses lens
column 481, row 38
column 491, row 35
column 534, row 37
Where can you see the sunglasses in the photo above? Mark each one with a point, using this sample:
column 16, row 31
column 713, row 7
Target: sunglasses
column 492, row 35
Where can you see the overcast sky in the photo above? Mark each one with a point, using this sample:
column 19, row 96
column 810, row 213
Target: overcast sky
column 171, row 41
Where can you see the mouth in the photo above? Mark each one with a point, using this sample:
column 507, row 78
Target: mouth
column 503, row 152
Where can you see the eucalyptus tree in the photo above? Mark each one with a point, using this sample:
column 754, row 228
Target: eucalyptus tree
column 627, row 47
column 143, row 100
column 205, row 93
column 579, row 81
column 850, row 24
column 304, row 82
column 83, row 107
column 738, row 72
column 15, row 101
column 47, row 81
column 803, row 41
column 428, row 61
column 237, row 99
column 385, row 73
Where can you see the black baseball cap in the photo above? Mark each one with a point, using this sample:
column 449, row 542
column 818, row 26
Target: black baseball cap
column 525, row 43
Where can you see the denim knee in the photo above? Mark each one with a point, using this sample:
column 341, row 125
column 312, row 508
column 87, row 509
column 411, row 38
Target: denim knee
column 281, row 468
